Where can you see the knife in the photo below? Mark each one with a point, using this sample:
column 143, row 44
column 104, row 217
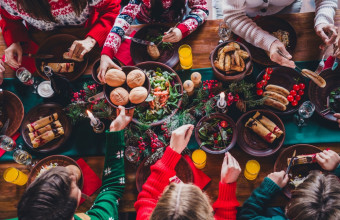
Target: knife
column 39, row 56
column 1, row 101
column 291, row 162
column 139, row 41
column 4, row 128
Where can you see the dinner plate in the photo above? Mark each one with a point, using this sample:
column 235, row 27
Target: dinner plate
column 13, row 110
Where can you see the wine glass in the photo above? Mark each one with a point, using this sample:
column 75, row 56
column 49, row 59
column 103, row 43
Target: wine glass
column 305, row 111
column 27, row 78
column 20, row 156
column 224, row 31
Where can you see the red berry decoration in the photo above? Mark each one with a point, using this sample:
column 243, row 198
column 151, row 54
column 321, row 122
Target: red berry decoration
column 259, row 85
column 296, row 87
column 269, row 70
column 302, row 86
column 215, row 135
column 297, row 97
column 301, row 92
column 294, row 103
column 293, row 93
column 264, row 82
column 224, row 124
column 290, row 98
column 259, row 92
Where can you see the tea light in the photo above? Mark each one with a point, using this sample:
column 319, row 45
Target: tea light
column 199, row 157
column 252, row 170
column 97, row 125
column 189, row 87
column 196, row 78
column 221, row 103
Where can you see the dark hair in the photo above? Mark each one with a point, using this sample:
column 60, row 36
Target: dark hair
column 177, row 7
column 317, row 198
column 41, row 9
column 48, row 197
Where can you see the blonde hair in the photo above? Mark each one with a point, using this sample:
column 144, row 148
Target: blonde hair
column 183, row 201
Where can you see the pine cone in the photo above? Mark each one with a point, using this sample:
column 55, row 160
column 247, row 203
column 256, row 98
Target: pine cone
column 241, row 105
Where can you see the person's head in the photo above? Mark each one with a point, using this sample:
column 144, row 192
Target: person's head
column 54, row 195
column 317, row 198
column 177, row 7
column 41, row 9
column 183, row 201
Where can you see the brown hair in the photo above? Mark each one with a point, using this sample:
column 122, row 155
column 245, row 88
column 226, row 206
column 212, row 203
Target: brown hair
column 317, row 198
column 41, row 9
column 178, row 7
column 183, row 201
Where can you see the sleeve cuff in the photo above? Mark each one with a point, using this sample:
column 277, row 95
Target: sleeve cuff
column 185, row 31
column 227, row 191
column 170, row 158
column 115, row 138
column 108, row 52
column 269, row 186
column 268, row 41
column 99, row 37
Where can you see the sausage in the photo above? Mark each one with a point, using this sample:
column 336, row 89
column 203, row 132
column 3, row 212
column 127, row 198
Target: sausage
column 276, row 96
column 277, row 89
column 275, row 104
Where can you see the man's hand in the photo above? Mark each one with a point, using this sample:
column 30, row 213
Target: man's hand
column 122, row 120
column 277, row 58
column 327, row 32
column 180, row 138
column 174, row 36
column 81, row 47
column 328, row 160
column 13, row 55
column 280, row 178
column 230, row 169
column 105, row 64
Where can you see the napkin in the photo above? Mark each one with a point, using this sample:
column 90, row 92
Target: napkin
column 91, row 181
column 329, row 62
column 200, row 178
column 123, row 54
column 14, row 137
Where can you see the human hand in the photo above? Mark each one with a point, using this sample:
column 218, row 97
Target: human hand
column 230, row 169
column 180, row 138
column 277, row 58
column 123, row 119
column 174, row 36
column 74, row 170
column 327, row 32
column 13, row 55
column 328, row 160
column 337, row 115
column 105, row 64
column 280, row 178
column 80, row 47
column 2, row 71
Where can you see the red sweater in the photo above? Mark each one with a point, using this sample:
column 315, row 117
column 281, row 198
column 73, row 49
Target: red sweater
column 99, row 15
column 224, row 207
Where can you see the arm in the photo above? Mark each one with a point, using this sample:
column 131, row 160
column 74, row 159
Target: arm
column 325, row 11
column 337, row 171
column 226, row 203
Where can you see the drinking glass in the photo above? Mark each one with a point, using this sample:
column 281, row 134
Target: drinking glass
column 15, row 176
column 224, row 31
column 199, row 157
column 252, row 170
column 185, row 56
column 305, row 111
column 27, row 78
column 20, row 156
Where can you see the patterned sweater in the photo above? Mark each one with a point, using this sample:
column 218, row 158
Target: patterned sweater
column 99, row 15
column 140, row 9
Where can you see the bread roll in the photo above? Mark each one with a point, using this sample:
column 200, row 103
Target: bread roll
column 119, row 96
column 115, row 77
column 138, row 95
column 135, row 78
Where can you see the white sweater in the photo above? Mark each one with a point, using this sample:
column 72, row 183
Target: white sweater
column 236, row 13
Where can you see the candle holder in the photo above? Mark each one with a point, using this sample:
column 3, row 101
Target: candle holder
column 98, row 126
column 221, row 103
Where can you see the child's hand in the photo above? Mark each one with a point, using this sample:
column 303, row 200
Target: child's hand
column 180, row 138
column 328, row 160
column 280, row 178
column 230, row 169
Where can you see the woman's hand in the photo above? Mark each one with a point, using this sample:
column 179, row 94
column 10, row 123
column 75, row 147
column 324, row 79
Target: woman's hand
column 2, row 71
column 81, row 47
column 328, row 160
column 105, row 64
column 327, row 32
column 174, row 36
column 13, row 55
column 280, row 178
column 180, row 138
column 230, row 169
column 277, row 58
column 123, row 119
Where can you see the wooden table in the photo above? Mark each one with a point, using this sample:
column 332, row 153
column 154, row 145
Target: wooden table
column 203, row 41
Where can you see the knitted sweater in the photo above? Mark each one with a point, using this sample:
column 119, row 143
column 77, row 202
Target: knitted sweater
column 99, row 15
column 140, row 9
column 224, row 207
column 236, row 14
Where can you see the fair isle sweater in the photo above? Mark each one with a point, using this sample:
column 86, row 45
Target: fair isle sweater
column 98, row 15
column 140, row 9
column 236, row 13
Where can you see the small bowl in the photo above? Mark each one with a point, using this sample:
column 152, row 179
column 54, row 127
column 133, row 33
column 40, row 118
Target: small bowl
column 253, row 144
column 234, row 77
column 13, row 110
column 96, row 66
column 224, row 118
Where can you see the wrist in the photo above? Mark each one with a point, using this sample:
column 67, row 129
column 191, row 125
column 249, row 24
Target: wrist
column 91, row 40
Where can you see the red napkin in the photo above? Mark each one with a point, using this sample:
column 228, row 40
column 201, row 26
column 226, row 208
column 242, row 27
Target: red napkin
column 123, row 54
column 200, row 178
column 91, row 181
column 14, row 137
column 329, row 62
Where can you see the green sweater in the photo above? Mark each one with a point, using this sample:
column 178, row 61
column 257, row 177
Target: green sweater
column 255, row 206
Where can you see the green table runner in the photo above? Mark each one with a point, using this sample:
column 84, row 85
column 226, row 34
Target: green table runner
column 84, row 142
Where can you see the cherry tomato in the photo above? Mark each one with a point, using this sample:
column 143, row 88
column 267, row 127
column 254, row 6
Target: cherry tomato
column 301, row 92
column 296, row 87
column 293, row 93
column 259, row 92
column 264, row 76
column 302, row 86
column 224, row 124
column 297, row 97
column 294, row 103
column 269, row 70
column 264, row 82
column 259, row 85
column 290, row 98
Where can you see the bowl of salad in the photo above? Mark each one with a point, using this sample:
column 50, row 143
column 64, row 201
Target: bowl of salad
column 216, row 133
column 165, row 95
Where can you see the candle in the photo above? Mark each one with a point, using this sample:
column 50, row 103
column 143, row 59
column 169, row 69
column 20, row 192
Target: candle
column 199, row 157
column 15, row 176
column 185, row 56
column 222, row 99
column 189, row 87
column 252, row 170
column 196, row 79
column 93, row 119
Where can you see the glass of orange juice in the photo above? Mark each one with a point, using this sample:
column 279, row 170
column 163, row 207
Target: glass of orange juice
column 252, row 170
column 185, row 56
column 13, row 175
column 199, row 157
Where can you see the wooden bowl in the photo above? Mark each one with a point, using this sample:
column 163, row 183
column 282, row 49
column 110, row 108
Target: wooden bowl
column 61, row 160
column 318, row 96
column 234, row 77
column 223, row 117
column 152, row 65
column 253, row 144
column 96, row 66
column 139, row 52
column 272, row 24
column 43, row 110
column 57, row 45
column 13, row 110
column 286, row 78
column 108, row 89
column 302, row 169
column 183, row 172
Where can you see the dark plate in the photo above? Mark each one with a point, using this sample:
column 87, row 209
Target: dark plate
column 318, row 96
column 252, row 143
column 139, row 52
column 13, row 110
column 96, row 66
column 43, row 110
column 61, row 160
column 108, row 89
column 152, row 65
column 286, row 78
column 183, row 172
column 57, row 45
column 302, row 169
column 272, row 24
column 222, row 117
